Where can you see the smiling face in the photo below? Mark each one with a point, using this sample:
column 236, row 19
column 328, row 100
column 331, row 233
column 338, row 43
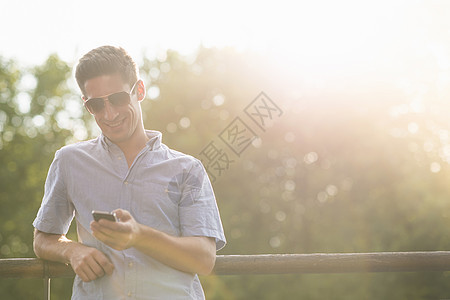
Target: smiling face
column 120, row 124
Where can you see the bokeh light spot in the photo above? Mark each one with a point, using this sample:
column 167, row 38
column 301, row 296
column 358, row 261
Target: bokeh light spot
column 185, row 122
column 275, row 242
column 171, row 127
column 289, row 137
column 413, row 127
column 435, row 167
column 280, row 216
column 219, row 100
column 332, row 190
column 153, row 92
column 289, row 185
column 311, row 158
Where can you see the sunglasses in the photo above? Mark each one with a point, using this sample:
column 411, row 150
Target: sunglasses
column 96, row 105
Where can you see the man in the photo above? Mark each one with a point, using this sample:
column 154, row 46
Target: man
column 168, row 227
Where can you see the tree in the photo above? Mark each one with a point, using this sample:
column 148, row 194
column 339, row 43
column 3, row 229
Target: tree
column 338, row 171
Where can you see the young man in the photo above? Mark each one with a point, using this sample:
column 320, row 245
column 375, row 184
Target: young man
column 168, row 227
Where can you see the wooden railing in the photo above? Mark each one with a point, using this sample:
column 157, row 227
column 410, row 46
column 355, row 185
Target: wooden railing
column 263, row 264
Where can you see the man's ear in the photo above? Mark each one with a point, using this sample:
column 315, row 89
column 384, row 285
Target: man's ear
column 140, row 90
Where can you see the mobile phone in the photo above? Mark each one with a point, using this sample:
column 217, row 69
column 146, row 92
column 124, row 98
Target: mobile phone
column 104, row 215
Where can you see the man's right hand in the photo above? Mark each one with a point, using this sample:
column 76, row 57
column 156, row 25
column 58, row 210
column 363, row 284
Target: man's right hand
column 89, row 263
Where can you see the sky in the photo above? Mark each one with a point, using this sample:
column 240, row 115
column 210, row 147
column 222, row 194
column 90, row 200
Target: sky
column 320, row 32
column 337, row 42
column 36, row 28
column 327, row 44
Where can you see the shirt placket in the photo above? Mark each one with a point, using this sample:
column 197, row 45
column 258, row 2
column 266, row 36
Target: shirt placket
column 130, row 265
column 127, row 181
column 130, row 277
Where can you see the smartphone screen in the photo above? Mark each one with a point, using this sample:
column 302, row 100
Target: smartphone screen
column 104, row 215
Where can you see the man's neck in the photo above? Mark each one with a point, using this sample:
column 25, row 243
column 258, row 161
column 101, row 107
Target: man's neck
column 133, row 146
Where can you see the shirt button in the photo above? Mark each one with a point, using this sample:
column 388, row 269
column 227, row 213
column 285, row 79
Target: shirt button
column 119, row 157
column 129, row 294
column 126, row 182
column 130, row 264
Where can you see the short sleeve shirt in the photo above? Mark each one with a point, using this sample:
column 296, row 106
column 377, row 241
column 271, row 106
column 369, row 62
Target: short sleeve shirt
column 164, row 189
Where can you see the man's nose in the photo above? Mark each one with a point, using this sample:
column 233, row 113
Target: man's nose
column 110, row 111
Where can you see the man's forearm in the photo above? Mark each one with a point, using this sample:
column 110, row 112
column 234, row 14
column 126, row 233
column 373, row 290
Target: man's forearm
column 53, row 247
column 187, row 254
column 190, row 254
column 87, row 262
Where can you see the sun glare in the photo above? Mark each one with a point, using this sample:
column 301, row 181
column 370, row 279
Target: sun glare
column 320, row 39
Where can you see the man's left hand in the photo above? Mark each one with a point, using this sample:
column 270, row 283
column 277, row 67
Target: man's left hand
column 118, row 235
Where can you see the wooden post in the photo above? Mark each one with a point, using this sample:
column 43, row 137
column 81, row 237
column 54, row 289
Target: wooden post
column 47, row 288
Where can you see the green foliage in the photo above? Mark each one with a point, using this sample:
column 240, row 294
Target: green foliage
column 336, row 172
column 29, row 140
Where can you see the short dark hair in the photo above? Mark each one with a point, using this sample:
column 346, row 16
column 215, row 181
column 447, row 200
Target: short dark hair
column 106, row 60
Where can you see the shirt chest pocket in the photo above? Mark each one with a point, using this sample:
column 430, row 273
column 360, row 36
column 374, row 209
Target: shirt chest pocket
column 156, row 206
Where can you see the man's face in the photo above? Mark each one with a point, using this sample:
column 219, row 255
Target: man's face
column 118, row 123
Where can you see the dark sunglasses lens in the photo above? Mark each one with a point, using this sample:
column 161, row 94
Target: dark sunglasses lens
column 119, row 99
column 95, row 105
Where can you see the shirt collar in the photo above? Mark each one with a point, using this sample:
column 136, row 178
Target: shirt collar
column 154, row 139
column 153, row 143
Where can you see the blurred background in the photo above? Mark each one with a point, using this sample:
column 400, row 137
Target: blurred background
column 358, row 161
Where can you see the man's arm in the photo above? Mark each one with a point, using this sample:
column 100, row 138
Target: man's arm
column 188, row 254
column 87, row 262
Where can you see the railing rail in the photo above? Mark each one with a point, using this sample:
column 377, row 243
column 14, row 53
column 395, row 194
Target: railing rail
column 268, row 264
column 263, row 264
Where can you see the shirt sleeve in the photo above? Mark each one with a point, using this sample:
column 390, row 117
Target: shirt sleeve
column 198, row 211
column 56, row 211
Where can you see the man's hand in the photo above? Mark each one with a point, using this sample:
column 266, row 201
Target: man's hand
column 118, row 235
column 90, row 263
column 190, row 254
column 87, row 262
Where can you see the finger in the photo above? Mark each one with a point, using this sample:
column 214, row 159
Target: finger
column 119, row 228
column 118, row 242
column 96, row 268
column 115, row 242
column 102, row 229
column 122, row 214
column 87, row 274
column 94, row 226
column 108, row 267
column 82, row 275
column 100, row 266
column 101, row 236
column 84, row 271
column 119, row 211
column 105, row 225
column 104, row 263
column 112, row 228
column 117, row 239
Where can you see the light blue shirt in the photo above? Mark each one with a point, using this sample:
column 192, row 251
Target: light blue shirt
column 163, row 189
